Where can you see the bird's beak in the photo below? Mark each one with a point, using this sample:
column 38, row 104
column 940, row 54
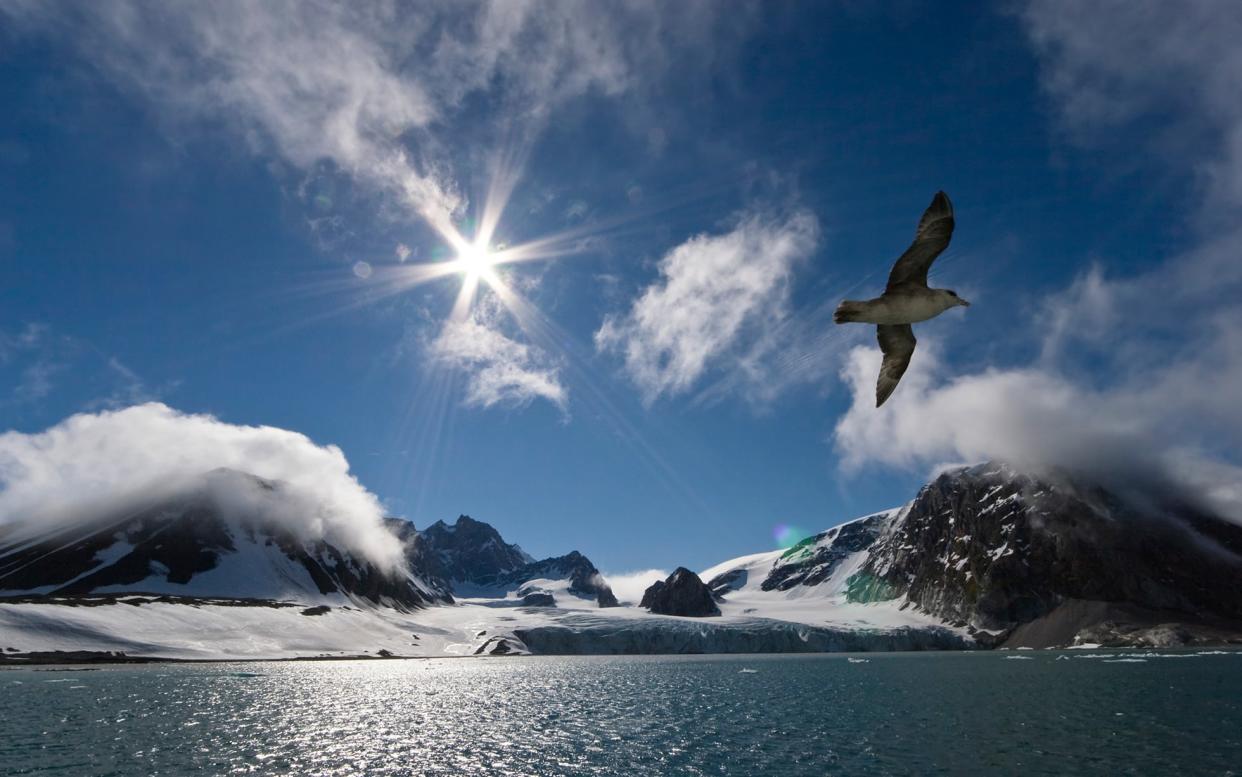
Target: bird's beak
column 963, row 302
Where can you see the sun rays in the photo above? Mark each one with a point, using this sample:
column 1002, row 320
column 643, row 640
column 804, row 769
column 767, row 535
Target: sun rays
column 479, row 331
column 473, row 254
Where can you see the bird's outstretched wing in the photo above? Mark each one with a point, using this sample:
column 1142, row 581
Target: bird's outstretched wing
column 932, row 237
column 897, row 343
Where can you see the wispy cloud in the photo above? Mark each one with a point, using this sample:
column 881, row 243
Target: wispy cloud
column 129, row 388
column 38, row 356
column 1174, row 66
column 38, row 359
column 1137, row 379
column 715, row 298
column 29, row 337
column 379, row 94
column 374, row 87
column 500, row 371
column 37, row 380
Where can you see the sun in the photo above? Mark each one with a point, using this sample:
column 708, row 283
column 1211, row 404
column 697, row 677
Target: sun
column 475, row 261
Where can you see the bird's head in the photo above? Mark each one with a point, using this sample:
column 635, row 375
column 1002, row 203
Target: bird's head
column 953, row 299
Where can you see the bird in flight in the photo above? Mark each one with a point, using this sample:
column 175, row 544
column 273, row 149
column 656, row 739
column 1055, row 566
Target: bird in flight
column 907, row 299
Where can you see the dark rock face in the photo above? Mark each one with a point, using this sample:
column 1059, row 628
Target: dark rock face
column 722, row 584
column 467, row 550
column 474, row 552
column 681, row 593
column 538, row 599
column 1025, row 561
column 66, row 559
column 992, row 549
column 422, row 559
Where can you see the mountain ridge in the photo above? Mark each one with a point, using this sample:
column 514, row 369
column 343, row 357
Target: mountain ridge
column 991, row 550
column 981, row 557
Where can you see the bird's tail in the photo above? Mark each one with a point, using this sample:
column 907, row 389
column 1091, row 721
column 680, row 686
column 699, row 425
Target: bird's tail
column 847, row 312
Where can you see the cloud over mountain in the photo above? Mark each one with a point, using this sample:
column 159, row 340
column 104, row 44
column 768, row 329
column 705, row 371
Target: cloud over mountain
column 1134, row 382
column 93, row 463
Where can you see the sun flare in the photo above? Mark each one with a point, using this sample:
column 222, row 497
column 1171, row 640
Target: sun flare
column 475, row 260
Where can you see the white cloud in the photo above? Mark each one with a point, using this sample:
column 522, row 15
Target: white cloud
column 1176, row 65
column 1149, row 438
column 375, row 87
column 1138, row 378
column 378, row 89
column 91, row 463
column 629, row 586
column 376, row 93
column 715, row 297
column 306, row 80
column 500, row 371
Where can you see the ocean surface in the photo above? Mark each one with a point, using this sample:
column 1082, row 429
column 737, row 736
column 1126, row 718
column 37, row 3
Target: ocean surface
column 923, row 713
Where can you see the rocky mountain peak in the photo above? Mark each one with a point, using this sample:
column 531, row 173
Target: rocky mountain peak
column 994, row 549
column 468, row 550
column 473, row 552
column 681, row 593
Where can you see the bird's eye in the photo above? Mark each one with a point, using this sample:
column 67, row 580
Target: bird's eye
column 953, row 293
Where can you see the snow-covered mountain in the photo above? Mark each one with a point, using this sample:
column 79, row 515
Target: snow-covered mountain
column 190, row 545
column 467, row 550
column 981, row 557
column 470, row 559
column 1015, row 560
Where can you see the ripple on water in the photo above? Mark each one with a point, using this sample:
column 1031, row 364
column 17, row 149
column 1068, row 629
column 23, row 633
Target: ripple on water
column 956, row 713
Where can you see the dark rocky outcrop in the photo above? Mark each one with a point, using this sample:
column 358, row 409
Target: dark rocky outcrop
column 681, row 593
column 722, row 584
column 537, row 599
column 996, row 550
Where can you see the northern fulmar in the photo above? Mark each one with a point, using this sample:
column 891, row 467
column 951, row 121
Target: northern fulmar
column 907, row 299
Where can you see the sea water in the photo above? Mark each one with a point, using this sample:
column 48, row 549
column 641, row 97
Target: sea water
column 1057, row 713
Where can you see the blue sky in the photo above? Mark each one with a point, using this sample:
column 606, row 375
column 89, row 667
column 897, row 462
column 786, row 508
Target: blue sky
column 219, row 210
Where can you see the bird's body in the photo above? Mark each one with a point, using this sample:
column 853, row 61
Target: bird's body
column 907, row 299
column 911, row 307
